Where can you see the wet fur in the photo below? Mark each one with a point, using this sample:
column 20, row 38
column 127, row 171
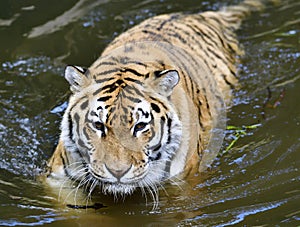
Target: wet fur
column 120, row 91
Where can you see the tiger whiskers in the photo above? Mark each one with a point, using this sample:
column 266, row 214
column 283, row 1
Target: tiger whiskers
column 79, row 172
column 153, row 191
column 177, row 181
column 67, row 180
column 151, row 183
column 161, row 185
column 144, row 194
column 81, row 182
column 94, row 183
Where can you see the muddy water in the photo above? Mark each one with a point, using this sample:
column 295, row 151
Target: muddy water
column 256, row 182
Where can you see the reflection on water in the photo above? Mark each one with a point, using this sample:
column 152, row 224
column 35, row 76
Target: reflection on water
column 80, row 9
column 254, row 183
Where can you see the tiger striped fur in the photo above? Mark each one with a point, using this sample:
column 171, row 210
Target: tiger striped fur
column 143, row 111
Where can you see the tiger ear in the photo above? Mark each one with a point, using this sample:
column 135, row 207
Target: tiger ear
column 77, row 77
column 165, row 81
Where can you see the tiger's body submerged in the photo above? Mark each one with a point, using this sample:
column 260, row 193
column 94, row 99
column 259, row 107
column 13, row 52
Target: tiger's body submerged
column 143, row 111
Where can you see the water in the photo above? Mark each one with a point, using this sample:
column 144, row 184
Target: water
column 256, row 182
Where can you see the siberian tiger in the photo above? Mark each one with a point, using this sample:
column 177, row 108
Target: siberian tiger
column 148, row 108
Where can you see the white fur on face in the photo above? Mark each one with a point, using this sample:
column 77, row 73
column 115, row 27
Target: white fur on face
column 98, row 113
column 141, row 114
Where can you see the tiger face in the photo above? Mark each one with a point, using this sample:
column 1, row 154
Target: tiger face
column 124, row 137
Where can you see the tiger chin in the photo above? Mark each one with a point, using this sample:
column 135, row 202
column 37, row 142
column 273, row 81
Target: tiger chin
column 150, row 107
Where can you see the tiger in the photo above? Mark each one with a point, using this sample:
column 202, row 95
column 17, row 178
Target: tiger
column 145, row 111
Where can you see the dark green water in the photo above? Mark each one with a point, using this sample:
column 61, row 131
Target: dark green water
column 257, row 182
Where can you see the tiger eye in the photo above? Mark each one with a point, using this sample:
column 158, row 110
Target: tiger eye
column 140, row 126
column 99, row 125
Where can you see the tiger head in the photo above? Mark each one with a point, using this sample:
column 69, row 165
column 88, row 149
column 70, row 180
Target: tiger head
column 123, row 126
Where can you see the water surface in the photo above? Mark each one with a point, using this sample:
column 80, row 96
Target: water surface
column 256, row 182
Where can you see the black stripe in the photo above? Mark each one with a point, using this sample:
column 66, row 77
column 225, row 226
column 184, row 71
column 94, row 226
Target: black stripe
column 77, row 120
column 64, row 165
column 210, row 34
column 137, row 63
column 212, row 51
column 135, row 100
column 70, row 121
column 133, row 80
column 146, row 114
column 86, row 119
column 214, row 30
column 152, row 132
column 84, row 105
column 104, row 98
column 131, row 98
column 66, row 159
column 109, row 88
column 199, row 148
column 76, row 103
column 188, row 83
column 156, row 36
column 82, row 144
column 99, row 81
column 93, row 113
column 103, row 73
column 129, row 91
column 158, row 145
column 207, row 106
column 155, row 107
column 172, row 17
column 206, row 39
column 176, row 35
column 80, row 155
column 158, row 101
column 200, row 114
column 132, row 71
column 105, row 63
column 169, row 125
column 227, row 82
column 119, row 82
column 157, row 157
column 134, row 89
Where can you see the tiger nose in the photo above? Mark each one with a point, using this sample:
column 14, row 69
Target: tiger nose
column 118, row 173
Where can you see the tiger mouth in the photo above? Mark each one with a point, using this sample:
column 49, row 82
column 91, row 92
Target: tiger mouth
column 125, row 185
column 116, row 187
column 118, row 181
